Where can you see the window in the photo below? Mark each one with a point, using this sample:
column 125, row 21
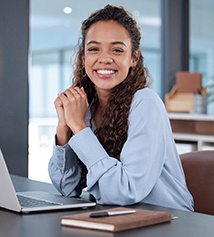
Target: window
column 202, row 40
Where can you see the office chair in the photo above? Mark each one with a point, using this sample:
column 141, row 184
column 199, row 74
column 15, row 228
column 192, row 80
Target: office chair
column 199, row 172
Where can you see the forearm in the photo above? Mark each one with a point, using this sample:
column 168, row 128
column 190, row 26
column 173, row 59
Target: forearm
column 117, row 186
column 64, row 171
column 125, row 176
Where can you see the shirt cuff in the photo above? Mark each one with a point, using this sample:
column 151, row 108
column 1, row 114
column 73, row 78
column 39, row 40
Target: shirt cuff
column 63, row 156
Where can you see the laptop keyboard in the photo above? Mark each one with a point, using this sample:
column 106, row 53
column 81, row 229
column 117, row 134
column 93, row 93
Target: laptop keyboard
column 32, row 202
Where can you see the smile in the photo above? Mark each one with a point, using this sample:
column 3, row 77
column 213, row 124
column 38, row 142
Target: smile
column 105, row 72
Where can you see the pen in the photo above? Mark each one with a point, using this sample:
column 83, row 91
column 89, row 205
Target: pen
column 110, row 213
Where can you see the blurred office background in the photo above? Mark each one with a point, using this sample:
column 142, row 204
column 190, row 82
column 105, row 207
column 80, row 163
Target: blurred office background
column 53, row 34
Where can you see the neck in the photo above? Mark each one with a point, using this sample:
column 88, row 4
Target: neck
column 103, row 98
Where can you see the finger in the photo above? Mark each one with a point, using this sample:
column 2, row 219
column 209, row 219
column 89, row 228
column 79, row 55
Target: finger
column 58, row 101
column 82, row 89
column 75, row 91
column 68, row 94
column 62, row 95
column 82, row 93
column 79, row 91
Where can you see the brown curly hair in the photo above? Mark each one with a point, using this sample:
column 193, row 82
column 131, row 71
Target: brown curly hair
column 112, row 133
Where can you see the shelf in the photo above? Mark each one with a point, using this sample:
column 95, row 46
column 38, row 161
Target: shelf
column 199, row 140
column 191, row 116
column 191, row 128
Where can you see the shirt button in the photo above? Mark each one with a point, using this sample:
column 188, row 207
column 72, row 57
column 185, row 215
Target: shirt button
column 61, row 151
column 60, row 157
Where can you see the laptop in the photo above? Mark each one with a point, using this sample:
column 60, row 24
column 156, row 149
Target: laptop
column 26, row 202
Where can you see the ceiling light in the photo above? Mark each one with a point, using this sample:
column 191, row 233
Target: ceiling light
column 67, row 10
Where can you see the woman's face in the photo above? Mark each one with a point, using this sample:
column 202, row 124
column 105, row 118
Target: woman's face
column 108, row 54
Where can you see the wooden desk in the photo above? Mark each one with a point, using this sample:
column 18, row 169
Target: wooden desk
column 47, row 224
column 195, row 129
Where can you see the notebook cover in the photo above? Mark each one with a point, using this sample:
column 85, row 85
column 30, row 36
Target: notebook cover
column 138, row 219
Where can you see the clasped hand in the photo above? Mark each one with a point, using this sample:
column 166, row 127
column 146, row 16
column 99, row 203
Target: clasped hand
column 71, row 106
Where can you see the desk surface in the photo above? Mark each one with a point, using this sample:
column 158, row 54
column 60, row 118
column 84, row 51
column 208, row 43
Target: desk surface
column 47, row 224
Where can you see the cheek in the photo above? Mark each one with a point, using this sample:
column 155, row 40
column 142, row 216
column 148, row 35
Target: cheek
column 125, row 65
column 89, row 60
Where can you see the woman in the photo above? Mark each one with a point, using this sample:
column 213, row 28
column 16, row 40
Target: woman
column 113, row 133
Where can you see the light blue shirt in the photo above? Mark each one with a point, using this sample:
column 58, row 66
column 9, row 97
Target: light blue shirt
column 149, row 169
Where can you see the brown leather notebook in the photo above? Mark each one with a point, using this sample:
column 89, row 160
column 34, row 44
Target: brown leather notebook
column 114, row 223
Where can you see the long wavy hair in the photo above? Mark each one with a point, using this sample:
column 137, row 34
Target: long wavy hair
column 113, row 131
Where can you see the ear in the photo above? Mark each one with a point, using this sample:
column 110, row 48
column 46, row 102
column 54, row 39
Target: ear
column 135, row 58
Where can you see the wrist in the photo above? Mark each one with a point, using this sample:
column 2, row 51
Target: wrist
column 63, row 135
column 78, row 128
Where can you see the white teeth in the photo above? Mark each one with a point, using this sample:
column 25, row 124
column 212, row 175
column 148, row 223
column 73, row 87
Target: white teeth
column 105, row 71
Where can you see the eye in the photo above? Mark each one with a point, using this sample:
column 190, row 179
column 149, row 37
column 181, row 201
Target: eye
column 93, row 49
column 118, row 50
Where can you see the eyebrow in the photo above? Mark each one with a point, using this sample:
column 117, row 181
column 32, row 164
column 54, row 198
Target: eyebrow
column 113, row 43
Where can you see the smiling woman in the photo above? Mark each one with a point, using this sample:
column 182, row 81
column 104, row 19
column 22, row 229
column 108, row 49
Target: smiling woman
column 115, row 130
column 108, row 59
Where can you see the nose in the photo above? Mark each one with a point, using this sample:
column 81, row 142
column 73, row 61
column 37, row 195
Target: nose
column 105, row 59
